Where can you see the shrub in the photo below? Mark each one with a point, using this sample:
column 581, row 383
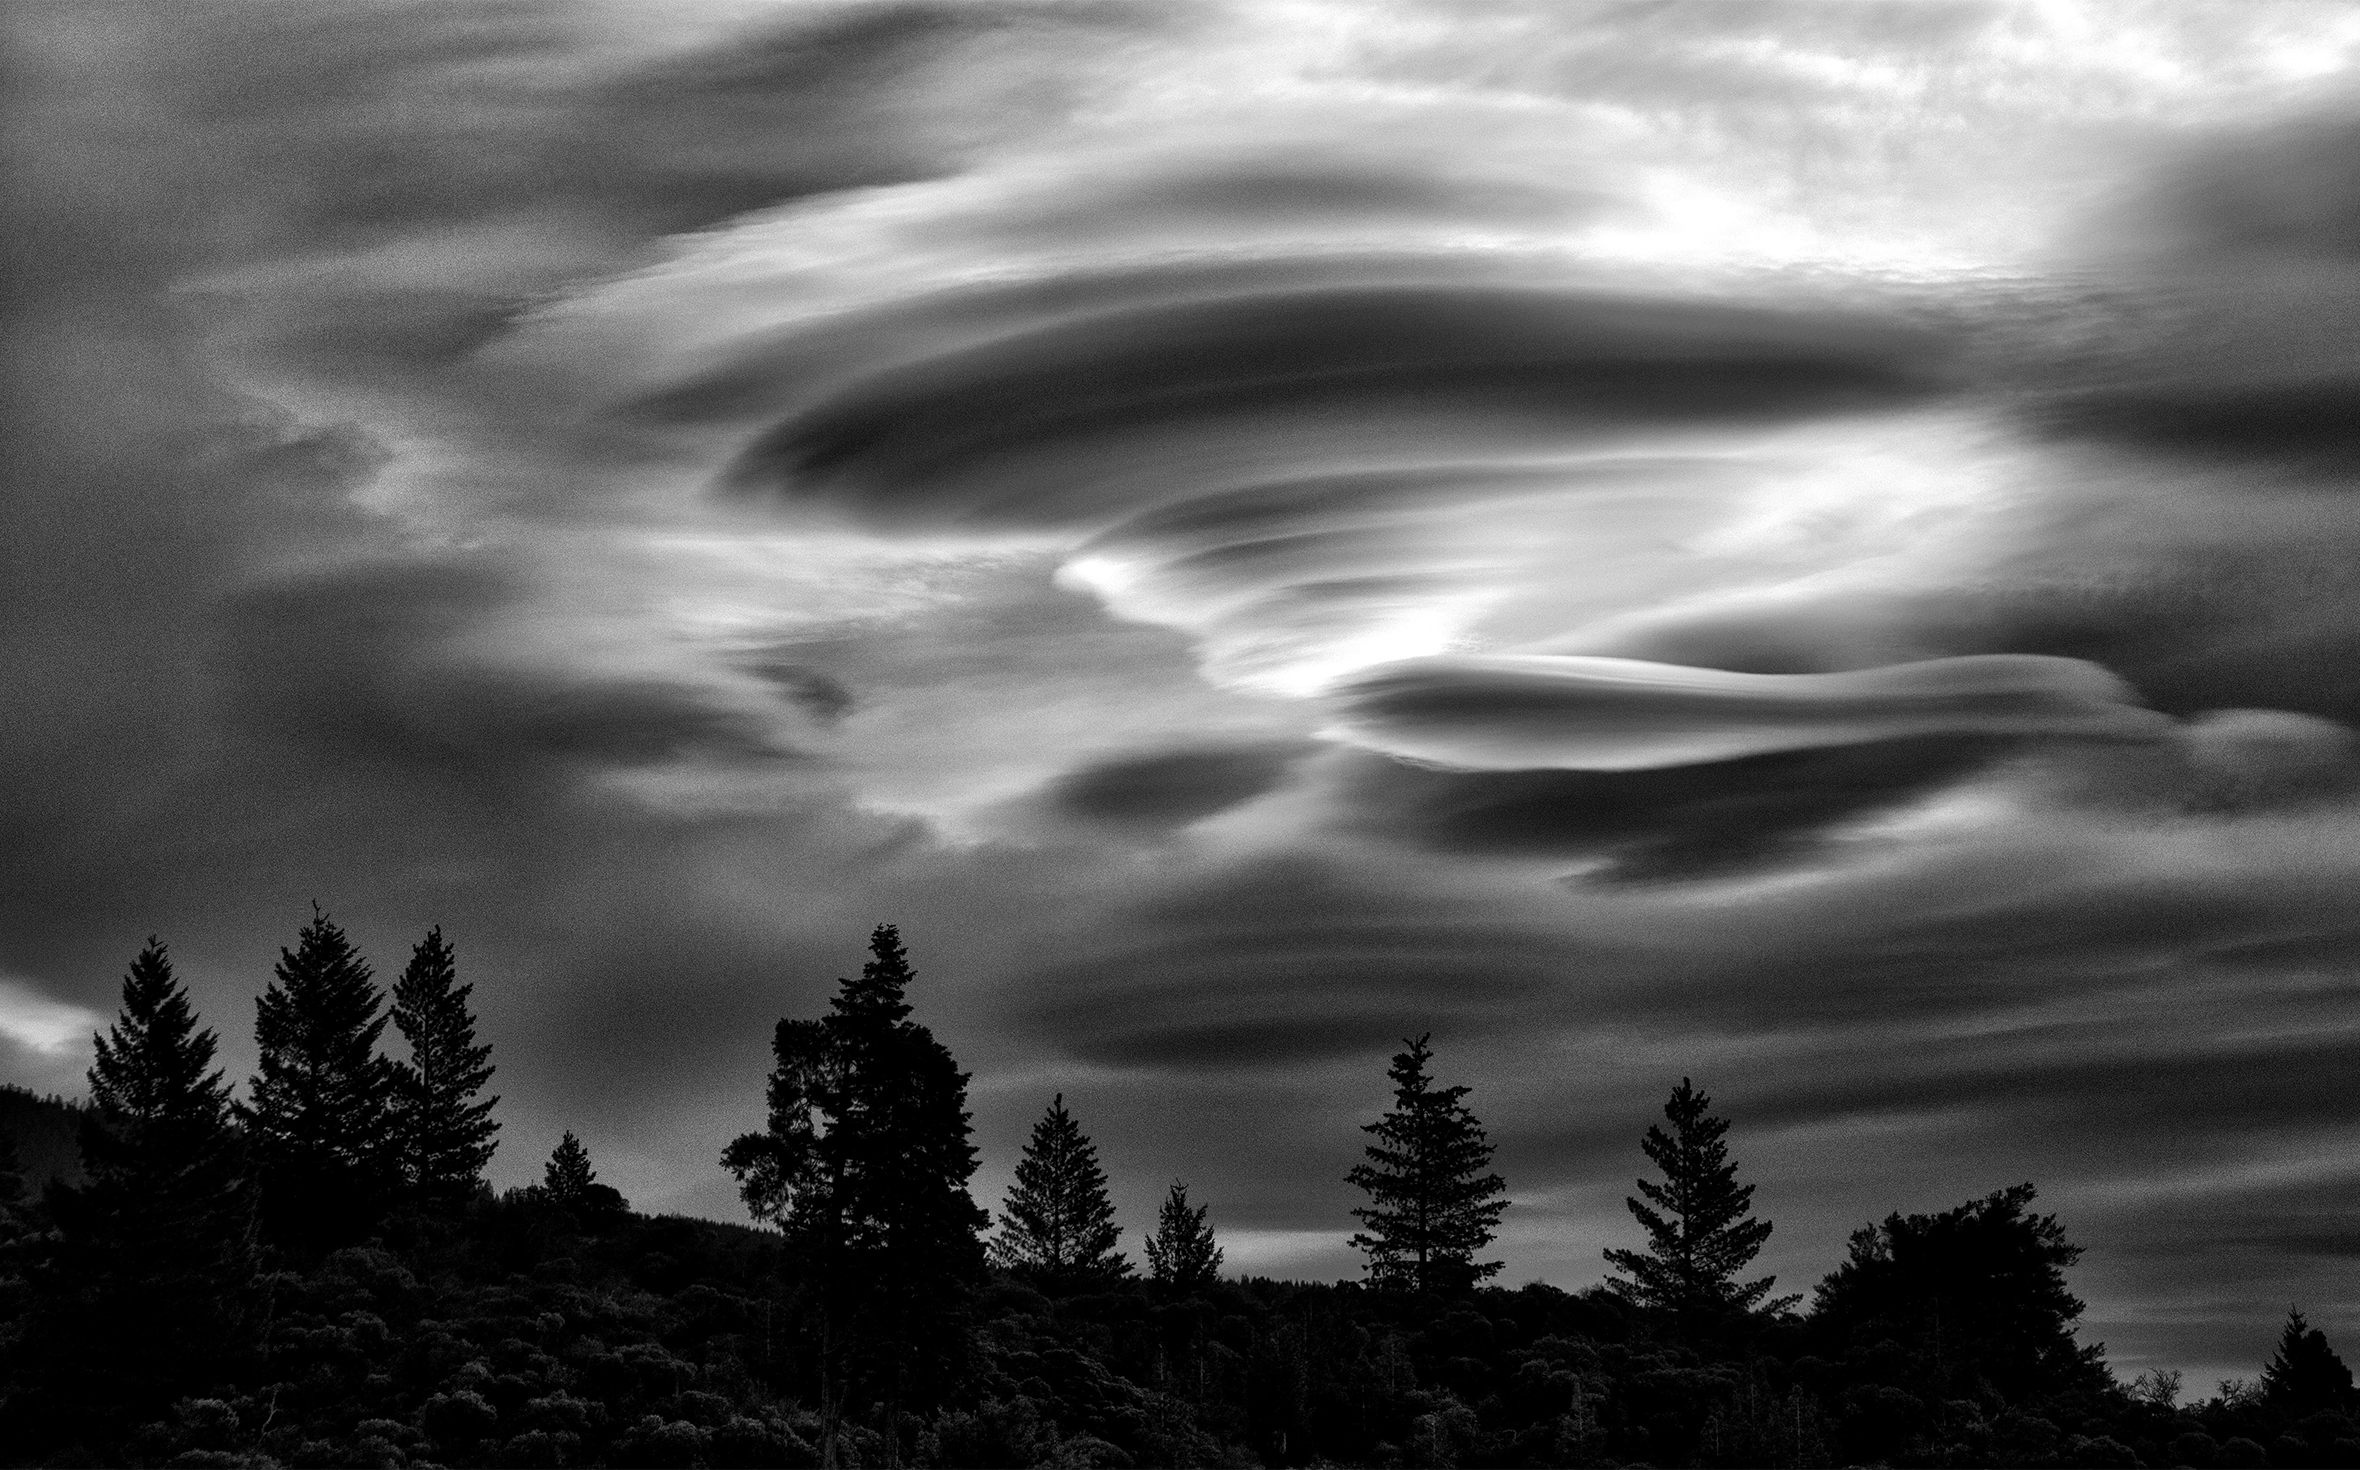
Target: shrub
column 458, row 1419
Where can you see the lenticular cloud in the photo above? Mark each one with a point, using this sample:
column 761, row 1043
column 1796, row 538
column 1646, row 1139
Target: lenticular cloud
column 1533, row 711
column 1422, row 438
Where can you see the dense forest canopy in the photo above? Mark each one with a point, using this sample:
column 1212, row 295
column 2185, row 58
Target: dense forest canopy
column 318, row 1275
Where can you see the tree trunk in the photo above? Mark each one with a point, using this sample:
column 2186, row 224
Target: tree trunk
column 893, row 1416
column 831, row 1395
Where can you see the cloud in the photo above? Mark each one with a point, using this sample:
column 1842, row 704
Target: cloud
column 1004, row 433
column 1288, row 959
column 1304, row 462
column 1528, row 711
column 657, row 490
column 1170, row 788
column 374, row 661
column 1678, row 821
column 2223, row 341
column 33, row 1020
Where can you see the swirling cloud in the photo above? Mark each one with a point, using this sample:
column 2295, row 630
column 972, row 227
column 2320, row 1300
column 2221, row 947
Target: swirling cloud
column 592, row 476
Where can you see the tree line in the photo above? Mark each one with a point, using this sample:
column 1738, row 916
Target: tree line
column 318, row 1274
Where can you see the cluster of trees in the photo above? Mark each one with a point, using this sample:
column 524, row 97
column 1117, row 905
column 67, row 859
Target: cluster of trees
column 150, row 1271
column 318, row 1275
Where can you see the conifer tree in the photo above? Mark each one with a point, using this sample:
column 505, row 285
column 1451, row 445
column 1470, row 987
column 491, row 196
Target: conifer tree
column 568, row 1180
column 864, row 1168
column 1057, row 1226
column 320, row 1116
column 1432, row 1203
column 1700, row 1227
column 142, row 1290
column 446, row 1135
column 568, row 1174
column 1182, row 1253
column 2305, row 1375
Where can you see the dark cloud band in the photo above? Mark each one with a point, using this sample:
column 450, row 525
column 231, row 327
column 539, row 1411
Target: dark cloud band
column 1020, row 431
column 1527, row 711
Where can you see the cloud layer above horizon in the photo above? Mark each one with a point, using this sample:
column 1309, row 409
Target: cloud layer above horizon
column 1813, row 547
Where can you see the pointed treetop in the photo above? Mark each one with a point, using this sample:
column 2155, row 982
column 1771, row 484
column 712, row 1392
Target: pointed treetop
column 568, row 1175
column 157, row 1103
column 1699, row 1221
column 876, row 997
column 1057, row 1227
column 152, row 1063
column 446, row 1132
column 1432, row 1202
column 2306, row 1374
column 326, row 975
column 317, row 1026
column 147, row 1256
column 1182, row 1253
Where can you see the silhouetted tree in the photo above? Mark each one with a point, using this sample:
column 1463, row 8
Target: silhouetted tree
column 568, row 1172
column 446, row 1135
column 568, row 1181
column 1057, row 1226
column 864, row 1168
column 320, row 1116
column 1700, row 1227
column 1432, row 1205
column 141, row 1293
column 1182, row 1253
column 2305, row 1375
column 1976, row 1293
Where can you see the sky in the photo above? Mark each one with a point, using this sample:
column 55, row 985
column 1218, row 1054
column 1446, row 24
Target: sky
column 1810, row 547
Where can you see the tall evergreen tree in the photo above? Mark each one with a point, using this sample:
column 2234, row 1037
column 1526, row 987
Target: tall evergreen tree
column 446, row 1135
column 1182, row 1253
column 1057, row 1226
column 1432, row 1202
column 320, row 1116
column 864, row 1168
column 141, row 1294
column 1700, row 1227
column 2305, row 1375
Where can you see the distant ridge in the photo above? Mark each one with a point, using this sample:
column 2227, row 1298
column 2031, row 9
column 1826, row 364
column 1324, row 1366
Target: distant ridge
column 47, row 1131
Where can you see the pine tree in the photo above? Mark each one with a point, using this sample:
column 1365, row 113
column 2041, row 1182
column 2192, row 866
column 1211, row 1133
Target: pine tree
column 569, row 1182
column 320, row 1118
column 1182, row 1253
column 568, row 1175
column 1432, row 1205
column 1057, row 1226
column 1700, row 1228
column 2305, row 1375
column 141, row 1294
column 446, row 1135
column 864, row 1168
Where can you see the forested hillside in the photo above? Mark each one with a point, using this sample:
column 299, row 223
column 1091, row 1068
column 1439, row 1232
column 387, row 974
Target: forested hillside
column 315, row 1274
column 46, row 1132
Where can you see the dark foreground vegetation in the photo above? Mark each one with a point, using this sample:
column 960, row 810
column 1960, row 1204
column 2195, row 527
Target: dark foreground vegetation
column 317, row 1276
